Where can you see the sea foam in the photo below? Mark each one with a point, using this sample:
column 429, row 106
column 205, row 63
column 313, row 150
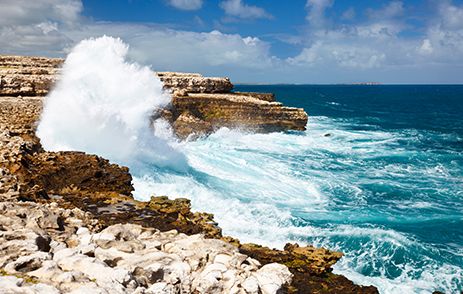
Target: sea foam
column 102, row 104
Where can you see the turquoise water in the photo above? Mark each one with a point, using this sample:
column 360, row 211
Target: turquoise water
column 377, row 175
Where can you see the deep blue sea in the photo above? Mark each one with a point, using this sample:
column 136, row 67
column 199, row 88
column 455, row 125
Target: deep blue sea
column 377, row 175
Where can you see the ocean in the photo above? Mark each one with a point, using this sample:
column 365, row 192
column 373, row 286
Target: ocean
column 378, row 174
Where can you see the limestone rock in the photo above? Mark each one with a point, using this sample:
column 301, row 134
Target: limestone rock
column 200, row 104
column 77, row 204
column 269, row 97
column 123, row 258
column 28, row 76
column 232, row 110
column 187, row 124
column 194, row 83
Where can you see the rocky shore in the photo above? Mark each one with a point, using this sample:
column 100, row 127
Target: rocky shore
column 68, row 222
column 199, row 105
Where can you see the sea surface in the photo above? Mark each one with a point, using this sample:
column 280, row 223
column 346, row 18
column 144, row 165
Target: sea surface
column 377, row 175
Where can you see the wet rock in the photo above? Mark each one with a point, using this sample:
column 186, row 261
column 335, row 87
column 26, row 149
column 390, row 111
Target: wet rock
column 202, row 113
column 187, row 125
column 80, row 216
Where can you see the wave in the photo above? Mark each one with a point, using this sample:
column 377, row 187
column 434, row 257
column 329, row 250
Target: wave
column 102, row 104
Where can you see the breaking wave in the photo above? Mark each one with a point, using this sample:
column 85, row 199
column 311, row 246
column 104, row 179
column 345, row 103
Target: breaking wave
column 102, row 104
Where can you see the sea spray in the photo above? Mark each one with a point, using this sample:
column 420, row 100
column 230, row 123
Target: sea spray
column 102, row 104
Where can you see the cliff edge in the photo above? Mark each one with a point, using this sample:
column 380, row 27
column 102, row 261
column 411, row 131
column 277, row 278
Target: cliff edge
column 199, row 105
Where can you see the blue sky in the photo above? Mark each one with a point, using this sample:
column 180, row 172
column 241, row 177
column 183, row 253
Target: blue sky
column 296, row 41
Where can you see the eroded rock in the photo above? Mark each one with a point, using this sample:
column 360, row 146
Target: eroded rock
column 123, row 258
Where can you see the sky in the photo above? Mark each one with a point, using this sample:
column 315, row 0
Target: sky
column 252, row 41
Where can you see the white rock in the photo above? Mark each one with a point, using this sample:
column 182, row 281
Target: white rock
column 160, row 288
column 271, row 277
column 251, row 285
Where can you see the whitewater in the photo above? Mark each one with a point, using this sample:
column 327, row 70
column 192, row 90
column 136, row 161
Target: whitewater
column 342, row 184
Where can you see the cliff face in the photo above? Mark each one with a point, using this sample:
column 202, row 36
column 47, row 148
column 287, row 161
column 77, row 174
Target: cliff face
column 27, row 76
column 199, row 106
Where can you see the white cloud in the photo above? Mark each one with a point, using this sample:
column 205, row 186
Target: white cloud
column 330, row 50
column 316, row 12
column 186, row 4
column 335, row 54
column 35, row 26
column 426, row 47
column 239, row 9
column 392, row 10
column 25, row 12
column 443, row 42
column 210, row 53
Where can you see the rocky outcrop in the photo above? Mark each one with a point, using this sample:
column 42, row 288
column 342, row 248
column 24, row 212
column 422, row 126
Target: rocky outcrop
column 70, row 181
column 201, row 113
column 27, row 76
column 55, row 250
column 199, row 105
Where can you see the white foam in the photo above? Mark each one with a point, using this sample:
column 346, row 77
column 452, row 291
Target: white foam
column 102, row 104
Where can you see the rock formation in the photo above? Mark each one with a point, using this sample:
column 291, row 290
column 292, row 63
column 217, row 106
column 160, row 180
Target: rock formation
column 199, row 105
column 68, row 223
column 55, row 250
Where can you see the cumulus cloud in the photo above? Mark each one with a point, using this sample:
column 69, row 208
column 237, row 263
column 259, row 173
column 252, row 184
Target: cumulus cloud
column 186, row 4
column 342, row 55
column 331, row 49
column 25, row 12
column 443, row 42
column 370, row 44
column 167, row 49
column 239, row 9
column 27, row 26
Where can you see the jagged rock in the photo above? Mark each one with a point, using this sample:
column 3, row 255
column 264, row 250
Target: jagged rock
column 123, row 258
column 63, row 172
column 269, row 97
column 187, row 124
column 310, row 266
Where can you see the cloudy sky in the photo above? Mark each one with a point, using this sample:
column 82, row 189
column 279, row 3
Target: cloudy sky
column 252, row 41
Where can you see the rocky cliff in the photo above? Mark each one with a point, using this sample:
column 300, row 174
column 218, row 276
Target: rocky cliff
column 199, row 105
column 68, row 223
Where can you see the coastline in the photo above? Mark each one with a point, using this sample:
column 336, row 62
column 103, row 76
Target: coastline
column 102, row 191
